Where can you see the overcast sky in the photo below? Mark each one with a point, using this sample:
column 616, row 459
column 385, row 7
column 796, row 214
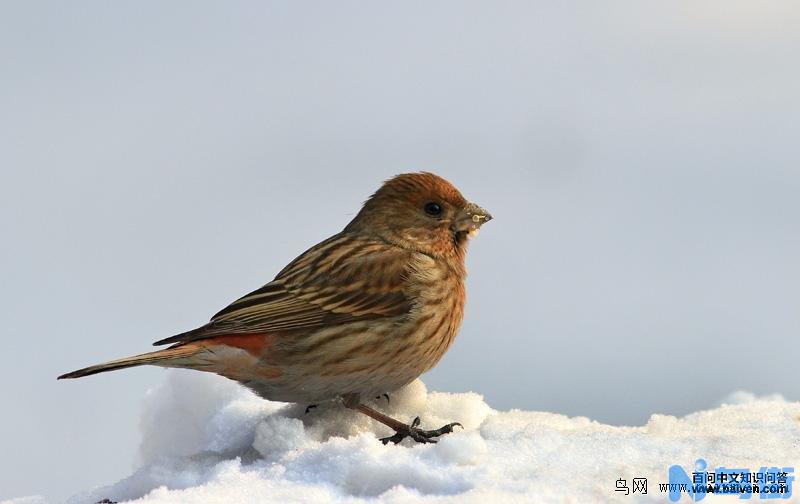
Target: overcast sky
column 641, row 159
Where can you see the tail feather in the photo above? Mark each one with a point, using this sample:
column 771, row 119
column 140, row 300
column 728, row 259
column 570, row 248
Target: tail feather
column 169, row 357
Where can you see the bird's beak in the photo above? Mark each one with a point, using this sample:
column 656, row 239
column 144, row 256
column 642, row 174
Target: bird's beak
column 471, row 219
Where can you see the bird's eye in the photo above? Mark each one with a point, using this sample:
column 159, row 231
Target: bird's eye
column 433, row 208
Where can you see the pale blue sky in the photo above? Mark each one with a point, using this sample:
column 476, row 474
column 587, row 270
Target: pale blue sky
column 158, row 160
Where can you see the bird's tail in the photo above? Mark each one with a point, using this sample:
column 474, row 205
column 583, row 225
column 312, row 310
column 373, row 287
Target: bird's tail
column 176, row 356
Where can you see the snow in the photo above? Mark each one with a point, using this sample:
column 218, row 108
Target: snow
column 207, row 440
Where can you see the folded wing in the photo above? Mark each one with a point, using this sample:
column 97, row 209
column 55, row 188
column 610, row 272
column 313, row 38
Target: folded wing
column 343, row 279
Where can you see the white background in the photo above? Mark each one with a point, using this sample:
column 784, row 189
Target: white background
column 157, row 160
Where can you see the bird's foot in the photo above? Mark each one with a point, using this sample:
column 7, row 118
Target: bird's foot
column 419, row 435
column 310, row 407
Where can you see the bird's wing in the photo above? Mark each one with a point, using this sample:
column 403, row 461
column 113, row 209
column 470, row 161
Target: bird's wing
column 343, row 279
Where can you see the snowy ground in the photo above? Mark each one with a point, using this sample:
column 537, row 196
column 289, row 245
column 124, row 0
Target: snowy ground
column 207, row 440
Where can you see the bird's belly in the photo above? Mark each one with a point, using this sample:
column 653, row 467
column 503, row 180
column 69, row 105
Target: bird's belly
column 367, row 359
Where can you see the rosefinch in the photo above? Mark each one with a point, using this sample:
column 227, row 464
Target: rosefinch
column 359, row 315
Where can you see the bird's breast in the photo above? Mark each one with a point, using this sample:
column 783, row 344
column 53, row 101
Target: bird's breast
column 438, row 310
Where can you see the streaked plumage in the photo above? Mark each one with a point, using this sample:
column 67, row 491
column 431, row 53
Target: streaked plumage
column 360, row 314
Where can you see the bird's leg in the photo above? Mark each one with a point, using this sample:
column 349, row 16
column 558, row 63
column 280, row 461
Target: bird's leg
column 401, row 430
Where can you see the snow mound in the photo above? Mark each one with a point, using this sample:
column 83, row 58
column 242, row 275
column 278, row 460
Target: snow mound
column 208, row 440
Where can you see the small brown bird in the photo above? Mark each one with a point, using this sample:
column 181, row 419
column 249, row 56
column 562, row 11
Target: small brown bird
column 358, row 315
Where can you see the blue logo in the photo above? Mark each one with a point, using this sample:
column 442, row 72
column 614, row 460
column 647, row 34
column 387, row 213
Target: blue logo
column 766, row 483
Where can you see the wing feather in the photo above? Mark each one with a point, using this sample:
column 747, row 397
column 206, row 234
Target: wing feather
column 343, row 279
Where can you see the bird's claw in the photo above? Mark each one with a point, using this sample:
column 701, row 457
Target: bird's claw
column 419, row 435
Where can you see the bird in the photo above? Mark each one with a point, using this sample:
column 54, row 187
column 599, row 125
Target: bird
column 359, row 315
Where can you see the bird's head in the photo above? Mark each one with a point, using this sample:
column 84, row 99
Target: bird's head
column 421, row 211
